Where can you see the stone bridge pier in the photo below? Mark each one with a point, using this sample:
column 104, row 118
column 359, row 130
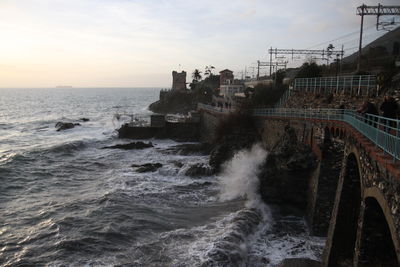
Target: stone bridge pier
column 354, row 193
column 364, row 227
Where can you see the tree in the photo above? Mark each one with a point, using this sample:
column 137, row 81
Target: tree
column 309, row 70
column 196, row 75
column 208, row 71
column 329, row 50
column 279, row 76
column 267, row 95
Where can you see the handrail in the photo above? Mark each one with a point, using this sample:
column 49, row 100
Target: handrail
column 383, row 132
column 282, row 100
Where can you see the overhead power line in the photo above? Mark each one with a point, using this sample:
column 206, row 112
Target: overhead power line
column 377, row 11
column 340, row 37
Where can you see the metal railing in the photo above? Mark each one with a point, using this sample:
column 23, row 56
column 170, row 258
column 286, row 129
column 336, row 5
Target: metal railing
column 282, row 100
column 383, row 132
column 356, row 84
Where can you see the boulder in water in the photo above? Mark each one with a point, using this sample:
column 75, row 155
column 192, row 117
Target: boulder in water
column 133, row 145
column 198, row 170
column 147, row 167
column 65, row 125
column 84, row 119
column 191, row 149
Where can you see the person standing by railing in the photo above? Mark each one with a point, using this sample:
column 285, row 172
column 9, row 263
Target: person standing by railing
column 389, row 107
column 367, row 109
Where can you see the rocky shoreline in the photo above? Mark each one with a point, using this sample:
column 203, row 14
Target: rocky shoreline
column 284, row 175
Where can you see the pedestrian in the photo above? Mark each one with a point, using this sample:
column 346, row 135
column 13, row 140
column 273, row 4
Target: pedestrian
column 389, row 108
column 341, row 108
column 367, row 109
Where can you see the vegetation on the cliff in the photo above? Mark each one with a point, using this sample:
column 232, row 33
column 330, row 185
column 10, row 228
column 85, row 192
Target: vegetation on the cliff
column 174, row 102
column 310, row 70
column 201, row 91
column 264, row 95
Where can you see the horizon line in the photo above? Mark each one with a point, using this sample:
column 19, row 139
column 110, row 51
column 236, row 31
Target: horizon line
column 85, row 87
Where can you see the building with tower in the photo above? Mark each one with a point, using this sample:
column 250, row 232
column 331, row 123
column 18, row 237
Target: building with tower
column 178, row 81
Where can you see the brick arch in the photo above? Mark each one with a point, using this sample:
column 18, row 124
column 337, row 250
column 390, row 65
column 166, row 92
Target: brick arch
column 343, row 227
column 378, row 238
column 342, row 134
column 337, row 132
column 327, row 133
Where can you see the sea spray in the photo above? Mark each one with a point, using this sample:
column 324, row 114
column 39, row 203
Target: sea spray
column 239, row 176
column 230, row 245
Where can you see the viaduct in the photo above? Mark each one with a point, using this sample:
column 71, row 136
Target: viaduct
column 354, row 193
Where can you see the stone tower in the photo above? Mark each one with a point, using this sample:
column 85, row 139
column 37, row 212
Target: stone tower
column 178, row 81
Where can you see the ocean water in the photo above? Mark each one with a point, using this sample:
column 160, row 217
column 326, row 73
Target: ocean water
column 65, row 201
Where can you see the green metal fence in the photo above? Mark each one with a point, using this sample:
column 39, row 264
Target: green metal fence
column 383, row 132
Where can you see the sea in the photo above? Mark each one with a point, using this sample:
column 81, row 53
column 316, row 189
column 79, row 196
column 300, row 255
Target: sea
column 66, row 201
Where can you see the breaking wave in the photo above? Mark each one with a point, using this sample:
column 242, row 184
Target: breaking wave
column 239, row 176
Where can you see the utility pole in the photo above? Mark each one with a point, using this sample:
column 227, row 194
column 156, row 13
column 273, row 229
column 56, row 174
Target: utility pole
column 270, row 61
column 377, row 11
column 271, row 65
column 361, row 33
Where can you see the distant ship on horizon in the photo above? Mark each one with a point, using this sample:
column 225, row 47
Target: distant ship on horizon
column 64, row 86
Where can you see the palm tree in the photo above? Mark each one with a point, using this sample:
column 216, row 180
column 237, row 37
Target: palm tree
column 196, row 75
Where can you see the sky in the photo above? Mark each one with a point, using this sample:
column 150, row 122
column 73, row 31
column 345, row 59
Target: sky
column 138, row 43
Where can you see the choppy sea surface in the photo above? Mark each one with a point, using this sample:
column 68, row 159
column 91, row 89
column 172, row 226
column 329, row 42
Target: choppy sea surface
column 64, row 201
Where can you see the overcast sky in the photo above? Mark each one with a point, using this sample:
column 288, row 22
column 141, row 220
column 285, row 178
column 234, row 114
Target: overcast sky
column 133, row 43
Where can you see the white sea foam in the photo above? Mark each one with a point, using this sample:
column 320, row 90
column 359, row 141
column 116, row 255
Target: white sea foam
column 239, row 176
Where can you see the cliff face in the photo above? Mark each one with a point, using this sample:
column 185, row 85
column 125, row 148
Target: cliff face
column 229, row 145
column 286, row 172
column 235, row 132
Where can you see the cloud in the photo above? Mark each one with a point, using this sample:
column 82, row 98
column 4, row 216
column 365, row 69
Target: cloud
column 114, row 40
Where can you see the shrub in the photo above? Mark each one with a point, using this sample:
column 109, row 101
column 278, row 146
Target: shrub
column 267, row 95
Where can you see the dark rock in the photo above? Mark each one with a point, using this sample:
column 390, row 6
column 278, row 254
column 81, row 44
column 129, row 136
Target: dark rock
column 198, row 170
column 229, row 145
column 286, row 171
column 84, row 119
column 133, row 145
column 177, row 164
column 147, row 167
column 190, row 149
column 65, row 125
